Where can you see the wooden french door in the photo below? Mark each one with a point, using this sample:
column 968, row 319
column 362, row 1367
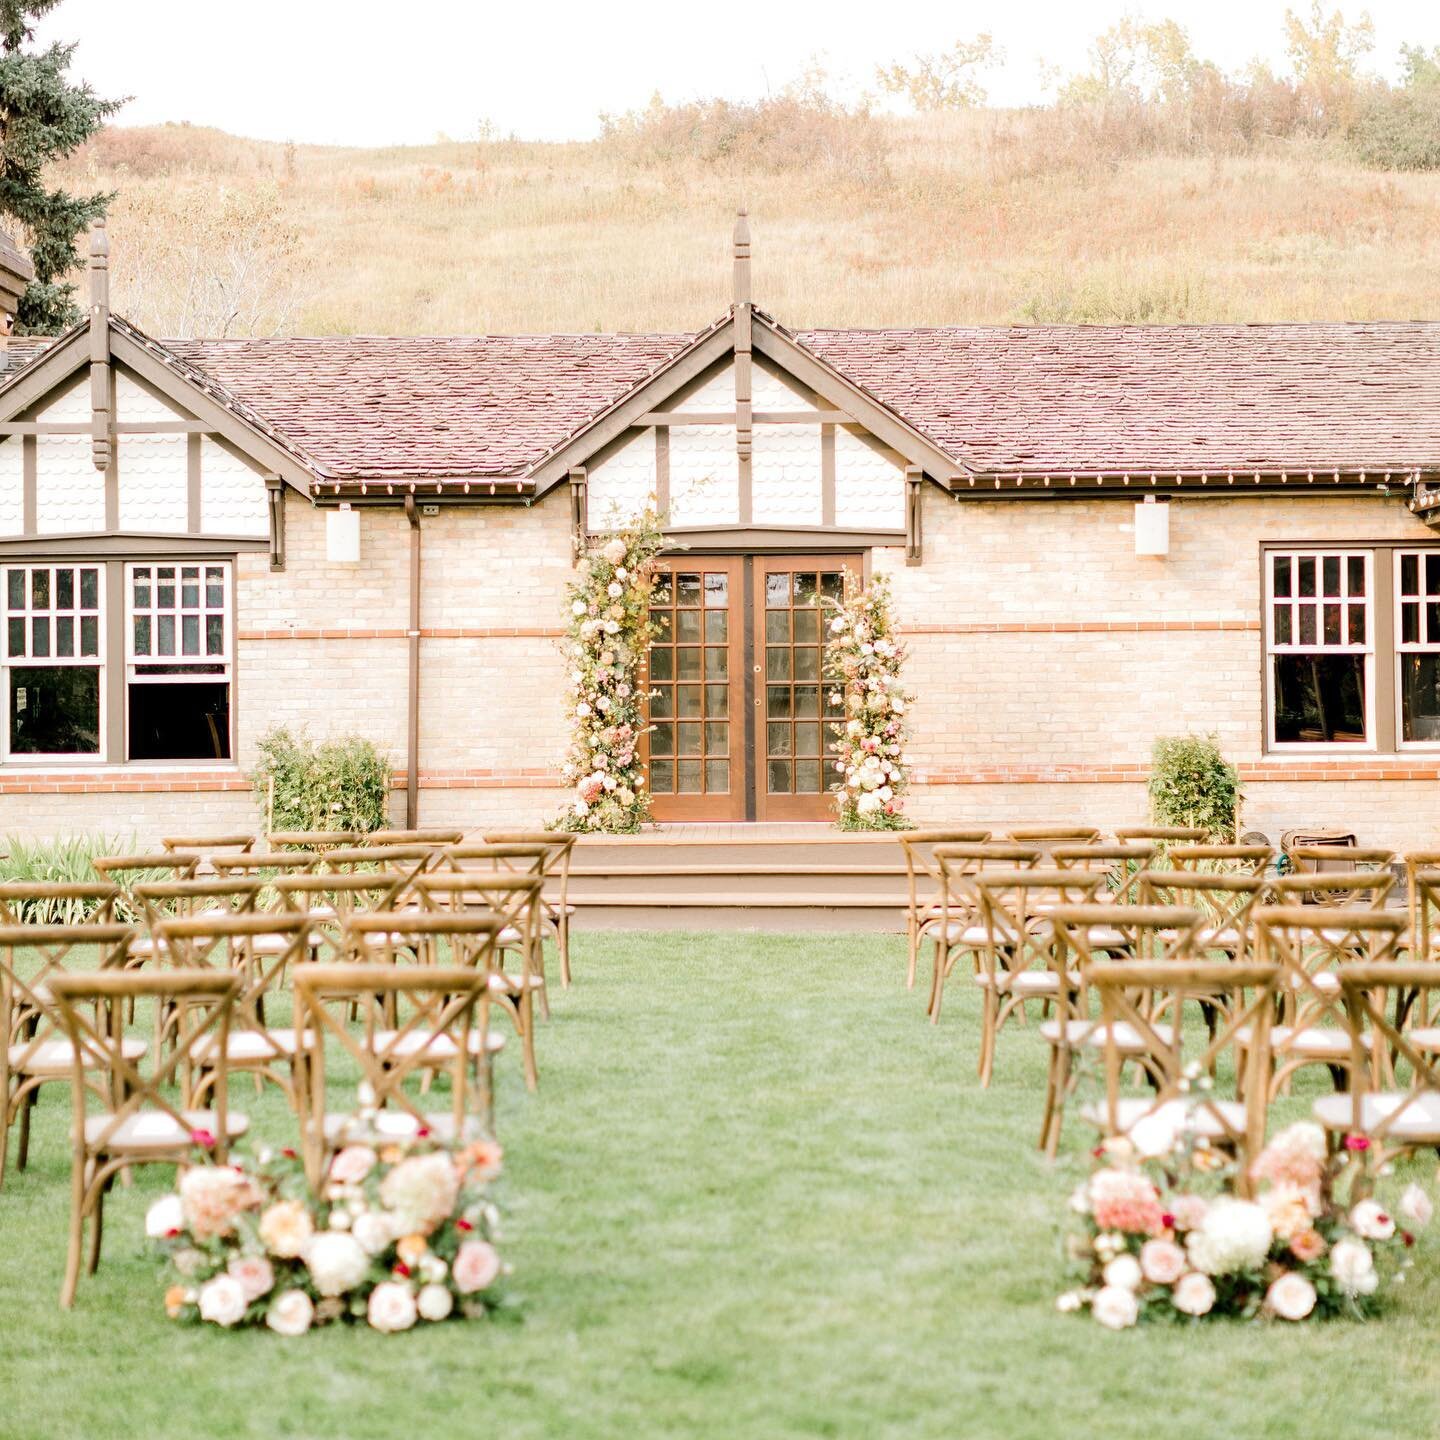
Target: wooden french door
column 739, row 713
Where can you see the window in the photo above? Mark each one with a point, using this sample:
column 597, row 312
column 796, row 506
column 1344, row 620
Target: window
column 53, row 659
column 177, row 680
column 1417, row 637
column 1321, row 647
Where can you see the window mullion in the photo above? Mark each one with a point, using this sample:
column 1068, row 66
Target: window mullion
column 115, row 621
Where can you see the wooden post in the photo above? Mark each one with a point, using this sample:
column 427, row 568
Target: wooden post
column 914, row 539
column 579, row 510
column 101, row 420
column 275, row 494
column 743, row 361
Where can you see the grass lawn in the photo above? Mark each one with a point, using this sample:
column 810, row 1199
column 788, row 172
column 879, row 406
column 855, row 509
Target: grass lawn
column 757, row 1195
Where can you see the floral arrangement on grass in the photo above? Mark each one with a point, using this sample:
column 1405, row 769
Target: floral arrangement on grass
column 607, row 638
column 1163, row 1238
column 862, row 665
column 402, row 1232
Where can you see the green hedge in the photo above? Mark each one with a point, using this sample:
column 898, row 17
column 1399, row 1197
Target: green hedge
column 1191, row 783
column 341, row 784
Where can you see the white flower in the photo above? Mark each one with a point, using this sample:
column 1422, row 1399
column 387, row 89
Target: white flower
column 614, row 551
column 1193, row 1294
column 1124, row 1272
column 1115, row 1307
column 391, row 1307
column 291, row 1312
column 614, row 591
column 582, row 709
column 337, row 1262
column 1415, row 1207
column 1291, row 1297
column 1235, row 1235
column 837, row 625
column 867, row 804
column 1069, row 1302
column 1370, row 1221
column 222, row 1301
column 255, row 1274
column 164, row 1218
column 1080, row 1200
column 1156, row 1134
column 1353, row 1267
column 421, row 1192
column 373, row 1230
column 612, row 627
column 1162, row 1261
column 434, row 1302
column 578, row 608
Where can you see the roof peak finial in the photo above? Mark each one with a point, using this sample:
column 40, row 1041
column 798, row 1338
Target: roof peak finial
column 742, row 256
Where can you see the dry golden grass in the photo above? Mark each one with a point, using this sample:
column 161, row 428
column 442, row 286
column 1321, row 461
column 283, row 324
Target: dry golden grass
column 976, row 218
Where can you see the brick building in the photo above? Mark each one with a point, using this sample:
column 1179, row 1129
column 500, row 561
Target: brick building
column 1096, row 535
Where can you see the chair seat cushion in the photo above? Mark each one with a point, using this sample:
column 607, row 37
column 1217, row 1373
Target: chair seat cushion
column 1309, row 1040
column 341, row 1126
column 57, row 1056
column 144, row 946
column 1418, row 1123
column 243, row 1046
column 505, row 984
column 1093, row 1033
column 509, row 936
column 437, row 1048
column 158, row 1129
column 1129, row 1110
column 1023, row 982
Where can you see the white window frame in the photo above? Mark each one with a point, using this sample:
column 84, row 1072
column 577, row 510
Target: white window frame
column 1319, row 553
column 27, row 661
column 1426, row 645
column 225, row 660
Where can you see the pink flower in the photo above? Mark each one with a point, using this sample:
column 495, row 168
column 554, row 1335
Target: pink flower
column 1307, row 1246
column 351, row 1165
column 1187, row 1212
column 1162, row 1262
column 1291, row 1297
column 255, row 1274
column 204, row 1139
column 212, row 1196
column 1122, row 1200
column 391, row 1307
column 1357, row 1143
column 475, row 1267
column 1194, row 1294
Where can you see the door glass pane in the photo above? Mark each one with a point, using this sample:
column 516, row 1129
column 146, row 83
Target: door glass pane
column 662, row 663
column 832, row 585
column 717, row 738
column 807, row 739
column 807, row 701
column 717, row 777
column 807, row 661
column 806, row 587
column 717, row 629
column 777, row 701
column 687, row 589
column 777, row 663
column 661, row 619
column 777, row 738
column 687, row 777
column 662, row 739
column 662, row 777
column 688, row 699
column 687, row 624
column 717, row 663
column 662, row 702
column 717, row 700
column 807, row 777
column 807, row 626
column 687, row 663
column 689, row 738
column 777, row 626
column 777, row 776
column 777, row 591
column 717, row 590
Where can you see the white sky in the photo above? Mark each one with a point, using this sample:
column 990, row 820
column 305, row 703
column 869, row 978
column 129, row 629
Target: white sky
column 342, row 72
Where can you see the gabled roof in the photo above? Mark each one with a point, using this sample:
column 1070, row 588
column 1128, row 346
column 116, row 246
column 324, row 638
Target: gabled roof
column 998, row 403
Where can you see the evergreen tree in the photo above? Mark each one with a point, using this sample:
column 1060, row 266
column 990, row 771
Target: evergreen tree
column 44, row 116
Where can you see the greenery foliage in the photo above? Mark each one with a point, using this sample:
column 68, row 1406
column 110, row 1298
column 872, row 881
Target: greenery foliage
column 608, row 634
column 44, row 116
column 64, row 861
column 1191, row 783
column 341, row 784
column 863, row 660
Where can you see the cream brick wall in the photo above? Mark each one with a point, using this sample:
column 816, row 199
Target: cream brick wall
column 1033, row 700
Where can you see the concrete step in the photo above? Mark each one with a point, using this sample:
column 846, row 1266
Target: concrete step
column 837, row 883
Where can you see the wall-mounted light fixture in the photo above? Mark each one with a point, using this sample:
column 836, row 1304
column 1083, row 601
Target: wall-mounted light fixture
column 342, row 536
column 1152, row 527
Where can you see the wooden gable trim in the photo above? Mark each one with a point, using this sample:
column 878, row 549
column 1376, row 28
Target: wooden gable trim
column 582, row 447
column 828, row 383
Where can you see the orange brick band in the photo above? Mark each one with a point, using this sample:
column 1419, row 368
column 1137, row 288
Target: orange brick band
column 429, row 632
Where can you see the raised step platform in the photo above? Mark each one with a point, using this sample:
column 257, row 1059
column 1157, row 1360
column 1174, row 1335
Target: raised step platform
column 739, row 877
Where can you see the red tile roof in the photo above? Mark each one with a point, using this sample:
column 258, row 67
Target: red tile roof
column 1163, row 398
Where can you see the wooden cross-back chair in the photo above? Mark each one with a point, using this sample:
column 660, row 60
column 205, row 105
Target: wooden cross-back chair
column 1348, row 888
column 35, row 1050
column 1225, row 903
column 1395, row 1118
column 527, row 858
column 1120, row 863
column 443, row 1029
column 1327, row 863
column 262, row 950
column 1164, row 835
column 1046, row 837
column 559, row 852
column 1129, row 993
column 267, row 864
column 319, row 840
column 1312, row 947
column 404, row 861
column 957, row 930
column 206, row 847
column 1083, row 936
column 1422, row 887
column 54, row 902
column 127, row 871
column 1019, row 942
column 141, row 1123
column 1221, row 859
column 434, row 836
column 328, row 900
column 922, row 883
column 515, row 900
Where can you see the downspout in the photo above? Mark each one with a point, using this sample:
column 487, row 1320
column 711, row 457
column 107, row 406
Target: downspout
column 412, row 703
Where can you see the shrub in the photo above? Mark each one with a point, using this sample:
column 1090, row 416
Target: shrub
column 1191, row 783
column 341, row 784
column 1399, row 130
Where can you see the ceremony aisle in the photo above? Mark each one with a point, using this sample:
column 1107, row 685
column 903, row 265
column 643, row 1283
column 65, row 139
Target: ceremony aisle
column 756, row 1196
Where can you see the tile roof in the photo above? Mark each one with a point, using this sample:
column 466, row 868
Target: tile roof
column 1164, row 398
column 428, row 407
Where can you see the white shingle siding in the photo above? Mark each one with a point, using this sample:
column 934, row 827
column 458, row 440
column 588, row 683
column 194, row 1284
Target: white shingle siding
column 717, row 393
column 12, row 488
column 232, row 495
column 153, row 477
column 69, row 490
column 620, row 485
column 785, row 475
column 770, row 392
column 869, row 489
column 704, row 475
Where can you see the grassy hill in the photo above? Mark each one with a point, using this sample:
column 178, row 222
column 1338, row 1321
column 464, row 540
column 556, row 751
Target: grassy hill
column 978, row 217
